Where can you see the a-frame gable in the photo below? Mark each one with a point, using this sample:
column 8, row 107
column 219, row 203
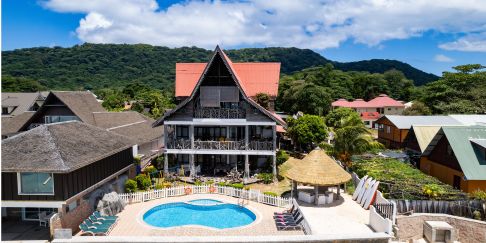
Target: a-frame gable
column 229, row 65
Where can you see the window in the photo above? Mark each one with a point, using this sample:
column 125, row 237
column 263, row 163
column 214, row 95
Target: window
column 54, row 119
column 182, row 131
column 388, row 129
column 32, row 214
column 36, row 183
column 4, row 110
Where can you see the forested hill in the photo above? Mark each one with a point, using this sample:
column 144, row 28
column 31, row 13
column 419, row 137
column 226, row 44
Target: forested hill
column 93, row 66
column 382, row 65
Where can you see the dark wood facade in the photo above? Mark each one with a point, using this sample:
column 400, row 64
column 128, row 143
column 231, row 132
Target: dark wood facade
column 390, row 135
column 67, row 185
column 443, row 154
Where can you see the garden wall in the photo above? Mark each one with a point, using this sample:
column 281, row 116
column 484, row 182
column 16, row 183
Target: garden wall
column 466, row 230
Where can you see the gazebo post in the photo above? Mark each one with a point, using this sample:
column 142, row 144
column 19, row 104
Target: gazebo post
column 338, row 189
column 316, row 194
column 294, row 188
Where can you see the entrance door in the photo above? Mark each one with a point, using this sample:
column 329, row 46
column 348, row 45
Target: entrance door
column 457, row 182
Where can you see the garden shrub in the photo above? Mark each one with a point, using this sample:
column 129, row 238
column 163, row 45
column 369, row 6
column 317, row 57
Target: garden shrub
column 137, row 160
column 237, row 185
column 282, row 156
column 399, row 180
column 350, row 188
column 130, row 186
column 143, row 182
column 479, row 195
column 326, row 147
column 198, row 183
column 476, row 215
column 150, row 169
column 267, row 178
column 271, row 194
column 222, row 183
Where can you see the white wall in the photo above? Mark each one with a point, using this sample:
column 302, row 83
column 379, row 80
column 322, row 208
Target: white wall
column 378, row 223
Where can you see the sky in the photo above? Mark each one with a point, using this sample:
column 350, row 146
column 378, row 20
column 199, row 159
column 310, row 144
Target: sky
column 430, row 35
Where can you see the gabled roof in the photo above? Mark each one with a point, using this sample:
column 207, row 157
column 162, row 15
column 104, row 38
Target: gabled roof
column 461, row 139
column 81, row 103
column 378, row 102
column 11, row 125
column 406, row 122
column 59, row 147
column 23, row 101
column 370, row 115
column 258, row 77
column 130, row 124
column 424, row 135
column 470, row 119
column 238, row 82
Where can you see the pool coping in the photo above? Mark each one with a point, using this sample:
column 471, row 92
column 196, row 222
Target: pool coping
column 146, row 208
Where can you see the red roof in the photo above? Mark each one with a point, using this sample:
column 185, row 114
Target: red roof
column 381, row 101
column 370, row 115
column 254, row 77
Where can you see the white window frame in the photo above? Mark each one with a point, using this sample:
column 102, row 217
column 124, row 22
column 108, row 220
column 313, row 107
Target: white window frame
column 19, row 186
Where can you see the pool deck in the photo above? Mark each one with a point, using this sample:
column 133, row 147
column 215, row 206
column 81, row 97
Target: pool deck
column 130, row 221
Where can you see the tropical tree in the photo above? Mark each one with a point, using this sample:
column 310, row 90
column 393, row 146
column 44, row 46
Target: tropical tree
column 417, row 108
column 342, row 117
column 306, row 130
column 351, row 140
column 263, row 99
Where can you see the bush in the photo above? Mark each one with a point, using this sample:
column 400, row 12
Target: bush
column 282, row 156
column 130, row 186
column 210, row 182
column 432, row 190
column 221, row 183
column 143, row 182
column 198, row 183
column 326, row 147
column 271, row 194
column 350, row 188
column 267, row 178
column 150, row 169
column 479, row 195
column 137, row 160
column 237, row 185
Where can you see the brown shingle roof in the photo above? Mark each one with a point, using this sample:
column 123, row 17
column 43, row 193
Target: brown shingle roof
column 130, row 124
column 82, row 103
column 59, row 147
column 23, row 101
column 11, row 125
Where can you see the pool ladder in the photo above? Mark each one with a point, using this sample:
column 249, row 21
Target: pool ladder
column 241, row 199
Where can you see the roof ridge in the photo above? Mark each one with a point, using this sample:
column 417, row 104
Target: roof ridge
column 51, row 140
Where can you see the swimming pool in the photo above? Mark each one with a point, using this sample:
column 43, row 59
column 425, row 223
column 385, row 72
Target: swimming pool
column 218, row 215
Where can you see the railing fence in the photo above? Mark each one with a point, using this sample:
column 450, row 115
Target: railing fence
column 251, row 195
column 462, row 208
column 385, row 210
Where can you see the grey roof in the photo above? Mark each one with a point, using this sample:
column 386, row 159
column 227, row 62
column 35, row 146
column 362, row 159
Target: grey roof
column 23, row 101
column 470, row 119
column 130, row 124
column 406, row 122
column 479, row 142
column 59, row 147
column 11, row 125
column 81, row 103
column 460, row 138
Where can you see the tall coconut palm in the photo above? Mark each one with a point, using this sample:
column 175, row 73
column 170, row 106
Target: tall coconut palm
column 351, row 140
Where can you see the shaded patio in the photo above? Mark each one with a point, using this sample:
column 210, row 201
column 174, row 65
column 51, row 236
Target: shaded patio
column 24, row 230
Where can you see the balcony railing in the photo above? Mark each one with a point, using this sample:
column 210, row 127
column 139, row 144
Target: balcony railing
column 220, row 145
column 220, row 113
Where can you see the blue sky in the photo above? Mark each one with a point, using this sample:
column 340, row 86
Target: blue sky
column 432, row 37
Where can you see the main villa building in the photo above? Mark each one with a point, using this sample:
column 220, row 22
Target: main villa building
column 218, row 126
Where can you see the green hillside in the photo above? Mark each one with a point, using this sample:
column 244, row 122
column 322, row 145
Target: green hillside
column 94, row 66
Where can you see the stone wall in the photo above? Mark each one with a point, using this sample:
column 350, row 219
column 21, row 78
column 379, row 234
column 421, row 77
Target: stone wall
column 73, row 219
column 465, row 230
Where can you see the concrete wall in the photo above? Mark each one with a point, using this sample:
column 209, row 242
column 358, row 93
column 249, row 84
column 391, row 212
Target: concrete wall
column 73, row 219
column 466, row 230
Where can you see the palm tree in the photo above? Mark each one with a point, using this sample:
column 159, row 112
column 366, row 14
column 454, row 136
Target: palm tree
column 351, row 140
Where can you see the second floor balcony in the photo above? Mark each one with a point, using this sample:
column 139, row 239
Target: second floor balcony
column 220, row 113
column 182, row 143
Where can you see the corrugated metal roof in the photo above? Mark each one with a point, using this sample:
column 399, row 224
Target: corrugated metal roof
column 470, row 119
column 480, row 142
column 472, row 164
column 424, row 135
column 406, row 122
column 255, row 77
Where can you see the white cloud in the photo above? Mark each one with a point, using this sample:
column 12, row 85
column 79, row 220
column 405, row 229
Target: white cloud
column 442, row 58
column 305, row 23
column 471, row 42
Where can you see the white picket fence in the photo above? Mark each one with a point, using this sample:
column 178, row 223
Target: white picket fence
column 251, row 195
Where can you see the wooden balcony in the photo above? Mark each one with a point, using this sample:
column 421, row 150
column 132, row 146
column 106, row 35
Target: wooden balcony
column 220, row 113
column 220, row 145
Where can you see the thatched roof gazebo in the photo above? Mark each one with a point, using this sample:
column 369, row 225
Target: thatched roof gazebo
column 317, row 169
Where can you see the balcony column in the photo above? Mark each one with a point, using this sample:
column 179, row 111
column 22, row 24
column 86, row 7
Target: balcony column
column 274, row 156
column 165, row 142
column 192, row 167
column 246, row 175
column 246, row 137
column 166, row 165
column 191, row 135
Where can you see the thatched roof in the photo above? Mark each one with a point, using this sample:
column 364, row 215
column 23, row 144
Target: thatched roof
column 130, row 124
column 12, row 125
column 81, row 103
column 22, row 101
column 59, row 147
column 285, row 167
column 317, row 168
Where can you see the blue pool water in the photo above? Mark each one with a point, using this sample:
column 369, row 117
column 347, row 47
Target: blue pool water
column 205, row 202
column 220, row 216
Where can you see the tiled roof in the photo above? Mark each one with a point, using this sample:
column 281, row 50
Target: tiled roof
column 370, row 115
column 255, row 77
column 379, row 102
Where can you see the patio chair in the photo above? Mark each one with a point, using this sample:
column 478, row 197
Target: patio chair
column 101, row 220
column 43, row 220
column 286, row 212
column 291, row 226
column 98, row 215
column 92, row 230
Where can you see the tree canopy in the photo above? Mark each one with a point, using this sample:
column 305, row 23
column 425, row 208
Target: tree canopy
column 342, row 117
column 307, row 129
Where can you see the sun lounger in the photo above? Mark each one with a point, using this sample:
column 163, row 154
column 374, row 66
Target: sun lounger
column 293, row 215
column 290, row 225
column 97, row 224
column 93, row 218
column 99, row 216
column 93, row 229
column 287, row 212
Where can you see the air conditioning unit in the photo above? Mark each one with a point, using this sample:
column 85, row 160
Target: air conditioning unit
column 438, row 231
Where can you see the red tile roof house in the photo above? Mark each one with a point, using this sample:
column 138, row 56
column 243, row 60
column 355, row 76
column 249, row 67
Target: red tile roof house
column 371, row 110
column 218, row 126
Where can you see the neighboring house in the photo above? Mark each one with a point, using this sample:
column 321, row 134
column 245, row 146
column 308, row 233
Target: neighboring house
column 371, row 110
column 457, row 156
column 392, row 129
column 14, row 104
column 417, row 140
column 83, row 106
column 218, row 126
column 53, row 167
